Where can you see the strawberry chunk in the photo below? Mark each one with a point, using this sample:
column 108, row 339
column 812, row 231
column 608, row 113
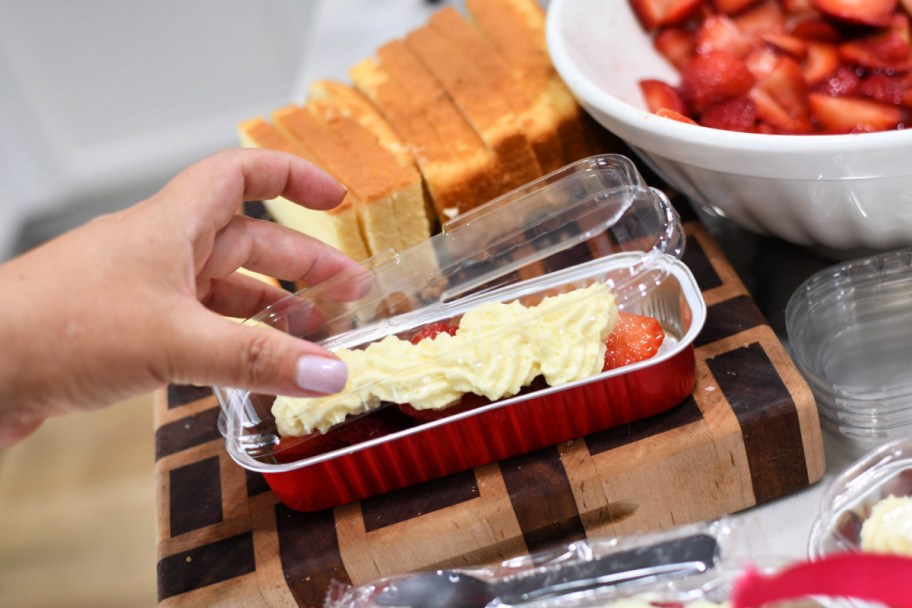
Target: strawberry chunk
column 719, row 33
column 714, row 77
column 822, row 60
column 432, row 330
column 877, row 13
column 886, row 50
column 844, row 82
column 738, row 114
column 781, row 97
column 654, row 13
column 676, row 44
column 852, row 115
column 730, row 7
column 672, row 115
column 634, row 338
column 469, row 401
column 659, row 94
column 764, row 17
column 896, row 90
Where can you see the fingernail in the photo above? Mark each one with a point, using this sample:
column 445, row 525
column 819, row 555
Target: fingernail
column 321, row 374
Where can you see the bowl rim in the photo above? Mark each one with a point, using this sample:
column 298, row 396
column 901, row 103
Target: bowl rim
column 594, row 96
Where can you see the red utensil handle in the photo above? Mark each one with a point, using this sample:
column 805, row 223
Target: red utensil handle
column 864, row 576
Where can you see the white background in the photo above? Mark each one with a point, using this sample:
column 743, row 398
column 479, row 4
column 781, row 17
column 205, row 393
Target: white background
column 101, row 102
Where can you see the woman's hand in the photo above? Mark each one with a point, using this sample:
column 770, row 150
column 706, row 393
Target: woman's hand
column 134, row 299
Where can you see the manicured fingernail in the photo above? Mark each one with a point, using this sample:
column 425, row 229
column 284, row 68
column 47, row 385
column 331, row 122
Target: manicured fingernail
column 321, row 374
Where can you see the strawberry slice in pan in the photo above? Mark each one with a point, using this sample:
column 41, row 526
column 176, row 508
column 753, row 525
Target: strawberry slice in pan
column 676, row 44
column 634, row 338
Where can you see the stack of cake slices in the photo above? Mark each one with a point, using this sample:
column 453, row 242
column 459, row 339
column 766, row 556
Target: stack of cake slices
column 450, row 116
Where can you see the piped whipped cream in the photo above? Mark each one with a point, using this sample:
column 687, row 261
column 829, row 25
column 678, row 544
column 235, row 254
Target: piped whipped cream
column 498, row 349
column 888, row 529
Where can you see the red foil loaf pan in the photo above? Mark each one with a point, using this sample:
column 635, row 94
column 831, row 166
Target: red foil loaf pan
column 589, row 225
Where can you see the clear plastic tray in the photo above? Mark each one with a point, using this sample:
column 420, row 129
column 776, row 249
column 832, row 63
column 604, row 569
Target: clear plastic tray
column 848, row 500
column 850, row 332
column 594, row 221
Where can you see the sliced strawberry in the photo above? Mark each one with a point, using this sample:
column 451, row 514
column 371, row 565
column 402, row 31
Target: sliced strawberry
column 634, row 338
column 886, row 50
column 792, row 45
column 719, row 33
column 850, row 115
column 671, row 114
column 764, row 17
column 432, row 330
column 793, row 7
column 738, row 114
column 655, row 13
column 863, row 12
column 813, row 27
column 730, row 7
column 659, row 94
column 712, row 78
column 896, row 90
column 844, row 82
column 821, row 61
column 781, row 98
column 469, row 401
column 368, row 426
column 676, row 44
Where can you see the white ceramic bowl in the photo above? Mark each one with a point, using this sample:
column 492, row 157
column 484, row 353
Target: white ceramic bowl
column 834, row 192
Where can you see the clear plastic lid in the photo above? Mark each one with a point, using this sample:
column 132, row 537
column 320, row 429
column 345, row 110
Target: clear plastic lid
column 594, row 221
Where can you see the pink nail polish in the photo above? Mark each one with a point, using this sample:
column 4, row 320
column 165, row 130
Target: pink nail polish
column 321, row 374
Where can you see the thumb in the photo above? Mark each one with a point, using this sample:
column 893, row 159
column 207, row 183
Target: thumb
column 221, row 352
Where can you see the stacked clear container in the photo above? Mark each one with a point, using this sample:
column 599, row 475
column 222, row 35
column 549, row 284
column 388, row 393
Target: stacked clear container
column 594, row 221
column 850, row 332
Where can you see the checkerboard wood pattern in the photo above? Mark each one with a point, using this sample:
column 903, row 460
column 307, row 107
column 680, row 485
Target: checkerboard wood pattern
column 748, row 433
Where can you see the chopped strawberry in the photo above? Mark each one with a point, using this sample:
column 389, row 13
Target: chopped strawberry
column 730, row 7
column 821, row 61
column 813, row 27
column 676, row 44
column 374, row 424
column 738, row 114
column 634, row 338
column 850, row 115
column 659, row 94
column 793, row 45
column 896, row 90
column 764, row 17
column 469, row 401
column 863, row 12
column 844, row 82
column 781, row 98
column 793, row 7
column 719, row 33
column 432, row 330
column 714, row 77
column 672, row 115
column 886, row 50
column 654, row 13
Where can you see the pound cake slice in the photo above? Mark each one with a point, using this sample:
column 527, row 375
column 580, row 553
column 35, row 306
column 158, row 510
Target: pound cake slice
column 516, row 28
column 482, row 105
column 334, row 101
column 456, row 165
column 534, row 114
column 372, row 175
column 337, row 227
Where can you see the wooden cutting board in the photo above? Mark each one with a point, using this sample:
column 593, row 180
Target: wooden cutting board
column 749, row 433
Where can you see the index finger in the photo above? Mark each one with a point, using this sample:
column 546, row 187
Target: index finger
column 220, row 183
